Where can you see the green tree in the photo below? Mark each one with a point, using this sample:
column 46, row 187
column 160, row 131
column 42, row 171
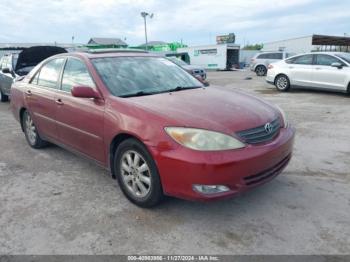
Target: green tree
column 253, row 47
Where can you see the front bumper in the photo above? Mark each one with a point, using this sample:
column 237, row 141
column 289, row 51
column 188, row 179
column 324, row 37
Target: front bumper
column 240, row 170
column 270, row 76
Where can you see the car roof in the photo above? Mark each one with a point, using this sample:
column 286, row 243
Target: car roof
column 99, row 53
column 322, row 53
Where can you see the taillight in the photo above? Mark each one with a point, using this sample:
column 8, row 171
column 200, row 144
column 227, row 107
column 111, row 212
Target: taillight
column 270, row 66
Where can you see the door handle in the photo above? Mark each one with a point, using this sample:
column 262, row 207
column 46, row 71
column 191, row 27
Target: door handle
column 28, row 93
column 59, row 101
column 291, row 67
column 317, row 68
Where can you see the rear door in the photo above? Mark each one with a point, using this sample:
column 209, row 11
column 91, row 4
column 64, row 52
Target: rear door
column 300, row 70
column 40, row 97
column 327, row 77
column 80, row 121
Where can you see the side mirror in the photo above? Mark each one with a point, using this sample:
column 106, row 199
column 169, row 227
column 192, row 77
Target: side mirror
column 6, row 70
column 337, row 65
column 85, row 92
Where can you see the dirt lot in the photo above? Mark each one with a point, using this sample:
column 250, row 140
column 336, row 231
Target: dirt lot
column 54, row 202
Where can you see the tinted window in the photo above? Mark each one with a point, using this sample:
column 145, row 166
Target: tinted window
column 326, row 60
column 301, row 60
column 262, row 56
column 277, row 56
column 50, row 72
column 75, row 73
column 270, row 56
column 125, row 76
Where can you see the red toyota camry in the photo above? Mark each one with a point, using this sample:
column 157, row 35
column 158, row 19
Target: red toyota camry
column 156, row 127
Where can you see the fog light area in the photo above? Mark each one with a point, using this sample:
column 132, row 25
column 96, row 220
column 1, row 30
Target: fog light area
column 210, row 189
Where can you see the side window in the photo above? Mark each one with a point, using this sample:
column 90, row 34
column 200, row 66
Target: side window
column 301, row 60
column 4, row 62
column 277, row 56
column 75, row 73
column 262, row 56
column 326, row 60
column 50, row 72
column 35, row 78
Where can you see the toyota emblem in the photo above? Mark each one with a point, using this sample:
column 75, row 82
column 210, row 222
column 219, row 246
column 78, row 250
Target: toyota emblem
column 268, row 128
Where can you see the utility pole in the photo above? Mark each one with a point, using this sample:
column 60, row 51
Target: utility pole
column 144, row 15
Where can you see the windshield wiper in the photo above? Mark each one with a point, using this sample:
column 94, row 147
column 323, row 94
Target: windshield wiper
column 178, row 88
column 140, row 93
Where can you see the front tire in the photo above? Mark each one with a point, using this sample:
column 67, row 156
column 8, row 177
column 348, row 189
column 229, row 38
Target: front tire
column 31, row 133
column 3, row 97
column 282, row 83
column 260, row 70
column 137, row 174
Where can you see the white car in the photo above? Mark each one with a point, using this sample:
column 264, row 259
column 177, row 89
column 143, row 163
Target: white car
column 260, row 61
column 319, row 70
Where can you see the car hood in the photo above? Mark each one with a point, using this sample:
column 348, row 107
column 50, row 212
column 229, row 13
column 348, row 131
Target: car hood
column 211, row 108
column 32, row 56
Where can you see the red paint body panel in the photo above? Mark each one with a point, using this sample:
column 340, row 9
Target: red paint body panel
column 89, row 126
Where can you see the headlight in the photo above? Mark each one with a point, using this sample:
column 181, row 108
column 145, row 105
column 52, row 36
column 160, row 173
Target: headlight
column 203, row 140
column 284, row 117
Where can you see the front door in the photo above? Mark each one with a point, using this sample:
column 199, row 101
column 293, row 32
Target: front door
column 329, row 77
column 80, row 121
column 301, row 70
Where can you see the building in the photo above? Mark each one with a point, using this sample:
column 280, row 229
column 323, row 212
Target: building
column 101, row 42
column 309, row 44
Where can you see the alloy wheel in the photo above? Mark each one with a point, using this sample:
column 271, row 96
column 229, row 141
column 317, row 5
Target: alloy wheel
column 260, row 71
column 282, row 83
column 136, row 174
column 30, row 129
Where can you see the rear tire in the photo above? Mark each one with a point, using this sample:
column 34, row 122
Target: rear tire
column 282, row 83
column 31, row 133
column 3, row 97
column 137, row 174
column 260, row 70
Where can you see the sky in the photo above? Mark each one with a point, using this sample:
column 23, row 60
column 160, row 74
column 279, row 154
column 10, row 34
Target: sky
column 195, row 22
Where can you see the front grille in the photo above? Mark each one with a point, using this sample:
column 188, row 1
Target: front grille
column 269, row 173
column 260, row 134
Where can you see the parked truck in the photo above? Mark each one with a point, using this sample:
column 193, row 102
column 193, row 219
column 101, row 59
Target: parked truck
column 218, row 57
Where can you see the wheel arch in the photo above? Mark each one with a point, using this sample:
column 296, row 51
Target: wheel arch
column 257, row 65
column 116, row 141
column 280, row 74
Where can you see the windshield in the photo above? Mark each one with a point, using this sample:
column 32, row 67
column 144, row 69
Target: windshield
column 128, row 76
column 177, row 61
column 345, row 56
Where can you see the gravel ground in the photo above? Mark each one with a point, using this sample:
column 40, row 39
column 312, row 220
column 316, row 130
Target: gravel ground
column 54, row 202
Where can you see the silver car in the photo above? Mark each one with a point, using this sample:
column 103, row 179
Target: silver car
column 320, row 70
column 261, row 61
